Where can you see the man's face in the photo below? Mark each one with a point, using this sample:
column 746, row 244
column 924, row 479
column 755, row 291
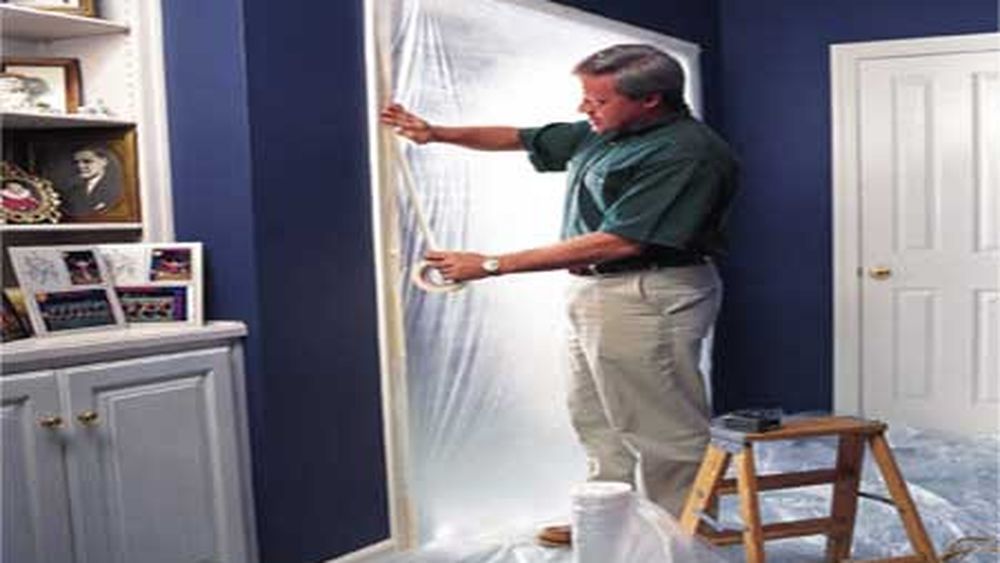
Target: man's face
column 89, row 164
column 607, row 109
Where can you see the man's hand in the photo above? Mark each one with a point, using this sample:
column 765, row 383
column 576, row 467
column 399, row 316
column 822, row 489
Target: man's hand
column 457, row 266
column 406, row 124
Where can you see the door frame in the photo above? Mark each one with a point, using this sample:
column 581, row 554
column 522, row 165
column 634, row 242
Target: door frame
column 845, row 67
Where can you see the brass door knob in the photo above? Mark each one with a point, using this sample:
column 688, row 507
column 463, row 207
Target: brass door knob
column 880, row 272
column 88, row 418
column 50, row 422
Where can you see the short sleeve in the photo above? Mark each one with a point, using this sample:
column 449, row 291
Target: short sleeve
column 550, row 147
column 668, row 203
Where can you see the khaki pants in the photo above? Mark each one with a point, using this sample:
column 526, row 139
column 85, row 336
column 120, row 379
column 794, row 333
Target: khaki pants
column 636, row 395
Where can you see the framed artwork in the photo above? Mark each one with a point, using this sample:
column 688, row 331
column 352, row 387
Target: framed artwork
column 94, row 171
column 13, row 327
column 66, row 288
column 157, row 282
column 40, row 84
column 77, row 7
column 25, row 198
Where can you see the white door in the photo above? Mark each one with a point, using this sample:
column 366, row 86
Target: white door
column 929, row 180
column 153, row 465
column 35, row 501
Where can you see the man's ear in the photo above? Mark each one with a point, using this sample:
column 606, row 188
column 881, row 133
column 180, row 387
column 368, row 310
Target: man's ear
column 653, row 100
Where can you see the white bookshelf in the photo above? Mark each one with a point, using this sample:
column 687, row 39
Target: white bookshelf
column 19, row 22
column 121, row 66
column 32, row 120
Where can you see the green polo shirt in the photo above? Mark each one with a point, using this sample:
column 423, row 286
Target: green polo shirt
column 670, row 183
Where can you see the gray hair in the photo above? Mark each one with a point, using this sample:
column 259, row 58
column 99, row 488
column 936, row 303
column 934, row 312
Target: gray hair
column 639, row 70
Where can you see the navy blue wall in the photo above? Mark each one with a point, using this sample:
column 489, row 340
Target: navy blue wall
column 325, row 489
column 775, row 340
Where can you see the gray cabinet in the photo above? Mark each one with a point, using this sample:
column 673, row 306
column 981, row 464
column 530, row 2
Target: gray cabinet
column 129, row 451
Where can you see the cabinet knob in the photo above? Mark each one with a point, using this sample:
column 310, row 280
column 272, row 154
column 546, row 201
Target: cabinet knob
column 88, row 418
column 50, row 422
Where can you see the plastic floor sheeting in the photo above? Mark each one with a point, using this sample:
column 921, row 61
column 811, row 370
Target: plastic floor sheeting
column 954, row 481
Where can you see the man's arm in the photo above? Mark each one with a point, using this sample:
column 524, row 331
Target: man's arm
column 486, row 138
column 573, row 252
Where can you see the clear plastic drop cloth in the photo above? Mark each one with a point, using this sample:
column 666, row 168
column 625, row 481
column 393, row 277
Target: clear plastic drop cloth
column 490, row 453
column 490, row 446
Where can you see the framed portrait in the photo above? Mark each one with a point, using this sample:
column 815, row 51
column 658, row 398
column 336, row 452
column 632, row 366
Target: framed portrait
column 77, row 7
column 40, row 84
column 66, row 288
column 94, row 172
column 157, row 282
column 25, row 198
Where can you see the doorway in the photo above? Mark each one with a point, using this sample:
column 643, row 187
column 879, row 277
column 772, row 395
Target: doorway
column 917, row 231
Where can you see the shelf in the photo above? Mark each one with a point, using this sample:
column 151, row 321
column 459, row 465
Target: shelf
column 20, row 22
column 33, row 120
column 59, row 227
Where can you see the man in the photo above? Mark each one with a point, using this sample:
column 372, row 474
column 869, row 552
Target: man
column 94, row 190
column 649, row 188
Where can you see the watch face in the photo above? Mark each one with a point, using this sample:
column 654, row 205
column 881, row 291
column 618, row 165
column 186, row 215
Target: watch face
column 491, row 265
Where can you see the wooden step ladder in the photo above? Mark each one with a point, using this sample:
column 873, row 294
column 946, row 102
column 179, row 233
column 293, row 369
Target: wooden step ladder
column 853, row 433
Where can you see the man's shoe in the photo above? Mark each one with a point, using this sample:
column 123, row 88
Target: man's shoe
column 555, row 536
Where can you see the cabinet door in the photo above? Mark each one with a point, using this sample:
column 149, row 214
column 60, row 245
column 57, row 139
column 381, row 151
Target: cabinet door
column 35, row 502
column 153, row 468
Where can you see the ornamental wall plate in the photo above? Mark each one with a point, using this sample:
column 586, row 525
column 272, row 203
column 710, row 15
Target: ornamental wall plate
column 26, row 198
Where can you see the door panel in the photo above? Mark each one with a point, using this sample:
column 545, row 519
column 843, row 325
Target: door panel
column 929, row 205
column 35, row 502
column 155, row 470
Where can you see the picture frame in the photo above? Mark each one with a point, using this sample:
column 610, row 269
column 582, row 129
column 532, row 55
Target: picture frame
column 75, row 7
column 40, row 84
column 25, row 198
column 66, row 289
column 12, row 326
column 157, row 282
column 94, row 171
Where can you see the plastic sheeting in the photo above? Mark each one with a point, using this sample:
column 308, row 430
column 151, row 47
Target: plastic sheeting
column 489, row 438
column 491, row 455
column 954, row 481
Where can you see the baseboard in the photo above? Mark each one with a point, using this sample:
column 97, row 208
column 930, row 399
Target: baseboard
column 366, row 554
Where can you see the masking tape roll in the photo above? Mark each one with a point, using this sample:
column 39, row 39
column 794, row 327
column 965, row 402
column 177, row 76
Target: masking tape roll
column 422, row 276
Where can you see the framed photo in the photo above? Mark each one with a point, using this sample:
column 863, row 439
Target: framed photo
column 25, row 198
column 157, row 282
column 13, row 327
column 40, row 84
column 66, row 288
column 78, row 7
column 94, row 171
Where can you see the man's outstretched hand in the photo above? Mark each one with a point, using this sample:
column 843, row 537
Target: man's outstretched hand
column 406, row 124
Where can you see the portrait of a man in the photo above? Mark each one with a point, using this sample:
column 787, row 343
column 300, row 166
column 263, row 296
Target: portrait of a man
column 94, row 184
column 94, row 173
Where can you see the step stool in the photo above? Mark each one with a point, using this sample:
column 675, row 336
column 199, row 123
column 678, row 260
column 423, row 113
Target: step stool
column 727, row 445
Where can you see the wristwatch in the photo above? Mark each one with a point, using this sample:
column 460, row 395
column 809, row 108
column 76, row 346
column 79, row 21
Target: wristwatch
column 491, row 265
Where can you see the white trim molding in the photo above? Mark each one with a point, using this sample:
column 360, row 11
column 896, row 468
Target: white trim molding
column 845, row 64
column 371, row 553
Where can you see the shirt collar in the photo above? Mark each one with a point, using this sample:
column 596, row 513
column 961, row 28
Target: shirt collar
column 638, row 129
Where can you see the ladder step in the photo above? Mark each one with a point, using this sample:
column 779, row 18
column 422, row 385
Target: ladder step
column 783, row 481
column 776, row 531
